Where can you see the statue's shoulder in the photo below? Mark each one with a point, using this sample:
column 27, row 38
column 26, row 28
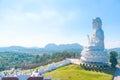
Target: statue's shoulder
column 99, row 32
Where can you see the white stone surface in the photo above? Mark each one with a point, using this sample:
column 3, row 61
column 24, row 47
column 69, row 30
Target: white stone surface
column 74, row 61
column 95, row 51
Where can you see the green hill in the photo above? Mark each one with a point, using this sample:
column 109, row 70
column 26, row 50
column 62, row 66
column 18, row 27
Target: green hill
column 75, row 72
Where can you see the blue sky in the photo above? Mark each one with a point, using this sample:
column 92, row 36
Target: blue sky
column 39, row 22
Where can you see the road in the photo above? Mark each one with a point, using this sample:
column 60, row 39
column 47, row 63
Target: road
column 117, row 74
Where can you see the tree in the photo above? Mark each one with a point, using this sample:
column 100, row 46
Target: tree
column 37, row 58
column 113, row 58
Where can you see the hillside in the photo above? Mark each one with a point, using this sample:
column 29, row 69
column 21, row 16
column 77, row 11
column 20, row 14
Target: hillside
column 75, row 72
column 114, row 49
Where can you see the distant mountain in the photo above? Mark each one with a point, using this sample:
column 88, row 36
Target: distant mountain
column 64, row 47
column 20, row 49
column 115, row 49
column 49, row 48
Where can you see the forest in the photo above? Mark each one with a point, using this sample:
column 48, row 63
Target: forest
column 16, row 60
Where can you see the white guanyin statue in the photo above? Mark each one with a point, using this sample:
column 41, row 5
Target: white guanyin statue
column 94, row 51
column 97, row 39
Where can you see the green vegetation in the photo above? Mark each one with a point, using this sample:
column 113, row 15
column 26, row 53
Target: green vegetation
column 75, row 72
column 113, row 58
column 25, row 61
column 11, row 59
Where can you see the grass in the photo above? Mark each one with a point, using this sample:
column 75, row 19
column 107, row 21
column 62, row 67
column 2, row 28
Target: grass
column 75, row 72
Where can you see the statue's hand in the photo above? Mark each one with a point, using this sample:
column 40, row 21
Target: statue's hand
column 88, row 39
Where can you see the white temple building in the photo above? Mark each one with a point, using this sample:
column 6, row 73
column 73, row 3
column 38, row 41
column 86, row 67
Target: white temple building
column 95, row 51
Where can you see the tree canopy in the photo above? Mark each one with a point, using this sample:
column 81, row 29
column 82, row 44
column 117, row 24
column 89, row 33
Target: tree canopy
column 113, row 58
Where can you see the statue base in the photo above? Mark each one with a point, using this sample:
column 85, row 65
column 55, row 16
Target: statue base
column 94, row 56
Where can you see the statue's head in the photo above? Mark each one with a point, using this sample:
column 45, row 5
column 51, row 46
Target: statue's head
column 97, row 23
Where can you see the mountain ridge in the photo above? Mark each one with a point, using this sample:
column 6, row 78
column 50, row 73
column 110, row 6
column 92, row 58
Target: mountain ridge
column 49, row 48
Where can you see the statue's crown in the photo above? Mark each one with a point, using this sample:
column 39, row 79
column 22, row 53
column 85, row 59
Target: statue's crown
column 98, row 20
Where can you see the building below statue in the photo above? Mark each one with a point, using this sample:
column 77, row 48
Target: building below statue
column 95, row 52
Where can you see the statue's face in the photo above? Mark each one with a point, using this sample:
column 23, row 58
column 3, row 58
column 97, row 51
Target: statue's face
column 95, row 24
